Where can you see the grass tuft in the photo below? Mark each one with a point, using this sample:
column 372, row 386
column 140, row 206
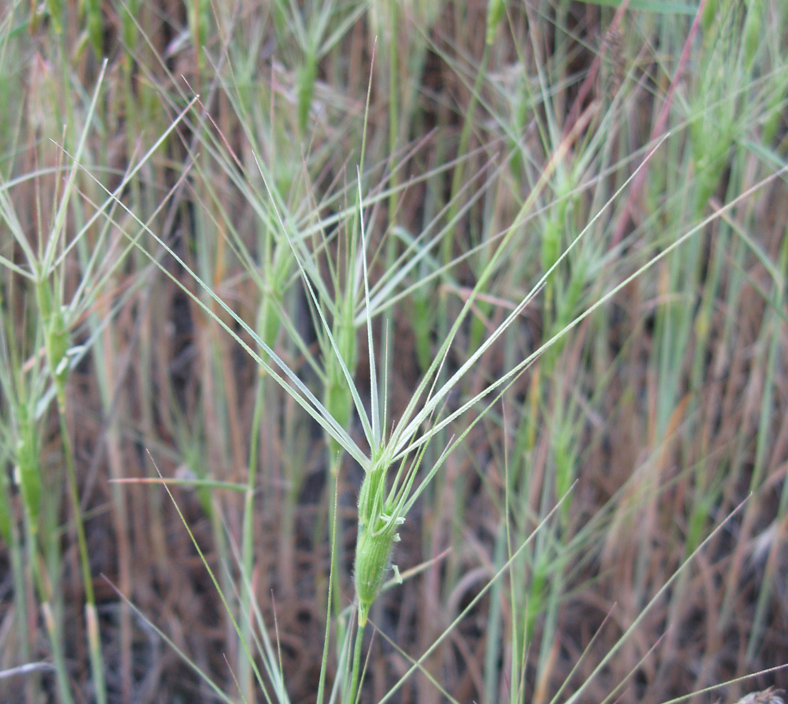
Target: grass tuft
column 456, row 333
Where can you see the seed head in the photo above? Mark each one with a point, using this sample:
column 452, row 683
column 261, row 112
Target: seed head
column 379, row 519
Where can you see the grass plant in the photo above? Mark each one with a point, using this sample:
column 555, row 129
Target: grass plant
column 389, row 351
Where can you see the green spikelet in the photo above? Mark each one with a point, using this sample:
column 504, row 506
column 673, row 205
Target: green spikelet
column 377, row 530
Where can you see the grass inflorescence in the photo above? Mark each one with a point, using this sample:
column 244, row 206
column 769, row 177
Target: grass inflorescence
column 393, row 351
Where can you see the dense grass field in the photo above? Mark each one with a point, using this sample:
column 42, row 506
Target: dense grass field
column 393, row 351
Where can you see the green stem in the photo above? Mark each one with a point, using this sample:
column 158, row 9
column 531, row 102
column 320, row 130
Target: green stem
column 458, row 177
column 331, row 578
column 57, row 653
column 50, row 619
column 247, row 543
column 338, row 553
column 354, row 684
column 94, row 642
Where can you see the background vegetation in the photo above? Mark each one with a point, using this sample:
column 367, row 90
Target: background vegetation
column 478, row 146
